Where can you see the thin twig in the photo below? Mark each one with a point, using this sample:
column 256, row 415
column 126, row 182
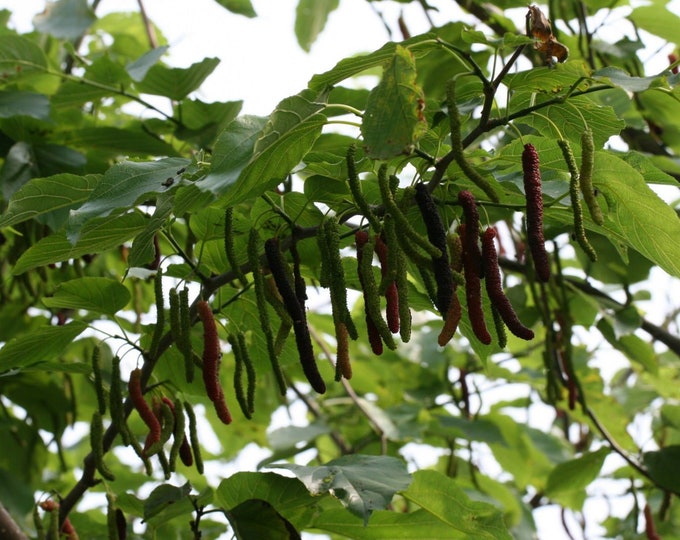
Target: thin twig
column 148, row 26
column 350, row 391
column 313, row 407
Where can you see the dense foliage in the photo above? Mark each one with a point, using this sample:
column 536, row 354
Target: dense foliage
column 458, row 254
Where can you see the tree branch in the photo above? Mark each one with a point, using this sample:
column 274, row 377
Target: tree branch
column 9, row 530
column 656, row 332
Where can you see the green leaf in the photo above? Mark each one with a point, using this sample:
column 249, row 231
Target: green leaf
column 287, row 496
column 603, row 121
column 636, row 349
column 203, row 122
column 65, row 19
column 97, row 236
column 167, row 502
column 350, row 67
column 657, row 20
column 440, row 496
column 130, row 141
column 258, row 519
column 241, row 7
column 164, row 496
column 288, row 135
column 177, row 83
column 18, row 103
column 143, row 250
column 19, row 52
column 394, row 118
column 568, row 481
column 97, row 294
column 43, row 195
column 636, row 215
column 140, row 67
column 620, row 78
column 548, row 79
column 663, row 467
column 233, row 150
column 40, row 345
column 123, row 185
column 310, row 19
column 418, row 525
column 362, row 483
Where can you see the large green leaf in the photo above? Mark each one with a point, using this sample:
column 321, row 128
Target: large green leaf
column 658, row 20
column 241, row 7
column 18, row 103
column 664, row 467
column 40, row 345
column 43, row 195
column 123, row 185
column 20, row 54
column 636, row 215
column 233, row 150
column 440, row 496
column 548, row 80
column 177, row 83
column 568, row 481
column 97, row 236
column 97, row 294
column 350, row 67
column 310, row 19
column 394, row 118
column 603, row 121
column 618, row 77
column 65, row 19
column 287, row 496
column 287, row 136
column 362, row 483
column 418, row 525
column 115, row 141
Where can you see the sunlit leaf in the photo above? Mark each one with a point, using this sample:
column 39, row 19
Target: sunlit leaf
column 657, row 20
column 440, row 496
column 418, row 525
column 20, row 54
column 567, row 481
column 394, row 119
column 636, row 215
